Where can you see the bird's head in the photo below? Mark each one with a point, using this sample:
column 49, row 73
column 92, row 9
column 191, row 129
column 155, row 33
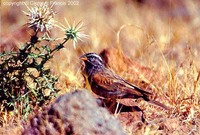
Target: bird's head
column 92, row 62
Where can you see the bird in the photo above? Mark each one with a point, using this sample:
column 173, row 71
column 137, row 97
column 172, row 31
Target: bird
column 107, row 84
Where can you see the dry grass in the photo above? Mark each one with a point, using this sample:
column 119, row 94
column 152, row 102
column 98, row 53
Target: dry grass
column 162, row 37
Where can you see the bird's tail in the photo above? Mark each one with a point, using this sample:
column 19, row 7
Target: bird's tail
column 159, row 104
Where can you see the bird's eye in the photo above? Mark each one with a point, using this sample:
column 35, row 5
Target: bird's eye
column 92, row 59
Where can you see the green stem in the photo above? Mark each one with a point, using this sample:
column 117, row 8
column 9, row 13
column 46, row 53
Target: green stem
column 47, row 56
column 60, row 46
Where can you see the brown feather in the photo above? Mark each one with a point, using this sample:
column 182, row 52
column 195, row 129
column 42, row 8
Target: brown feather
column 110, row 82
column 107, row 84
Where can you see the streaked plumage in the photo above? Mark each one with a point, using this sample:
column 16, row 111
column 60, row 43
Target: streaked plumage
column 107, row 84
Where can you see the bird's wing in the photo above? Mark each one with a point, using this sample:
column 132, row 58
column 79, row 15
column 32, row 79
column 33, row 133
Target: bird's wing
column 111, row 82
column 104, row 80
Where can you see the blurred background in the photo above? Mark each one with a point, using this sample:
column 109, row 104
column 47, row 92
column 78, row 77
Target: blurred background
column 163, row 35
column 152, row 29
column 173, row 24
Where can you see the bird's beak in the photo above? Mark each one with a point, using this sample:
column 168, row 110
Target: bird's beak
column 84, row 58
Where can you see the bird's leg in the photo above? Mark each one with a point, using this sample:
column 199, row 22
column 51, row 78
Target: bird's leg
column 111, row 105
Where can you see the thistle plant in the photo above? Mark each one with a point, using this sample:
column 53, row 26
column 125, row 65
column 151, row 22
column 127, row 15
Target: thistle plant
column 73, row 32
column 41, row 17
column 25, row 81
